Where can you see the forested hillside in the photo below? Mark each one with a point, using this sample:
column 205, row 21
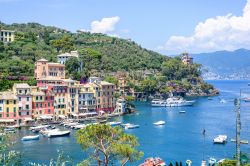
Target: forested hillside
column 99, row 54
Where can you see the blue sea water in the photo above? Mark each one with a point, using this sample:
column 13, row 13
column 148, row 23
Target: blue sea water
column 180, row 139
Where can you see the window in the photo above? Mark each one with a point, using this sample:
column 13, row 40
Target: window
column 41, row 97
column 7, row 109
column 27, row 107
column 19, row 113
column 28, row 113
column 25, row 91
column 0, row 115
column 19, row 98
column 36, row 105
column 14, row 114
column 36, row 97
column 20, row 91
column 1, row 109
column 48, row 104
column 14, row 109
column 14, row 101
column 7, row 101
column 28, row 99
column 7, row 115
column 1, row 101
column 41, row 105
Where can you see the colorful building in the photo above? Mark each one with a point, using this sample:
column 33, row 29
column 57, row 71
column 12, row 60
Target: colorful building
column 62, row 58
column 9, row 113
column 44, row 69
column 86, row 99
column 7, row 36
column 24, row 102
column 105, row 96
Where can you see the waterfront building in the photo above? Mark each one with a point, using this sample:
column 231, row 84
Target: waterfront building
column 87, row 100
column 105, row 98
column 8, row 113
column 186, row 59
column 72, row 96
column 120, row 106
column 44, row 69
column 7, row 36
column 94, row 79
column 24, row 102
column 62, row 58
column 42, row 102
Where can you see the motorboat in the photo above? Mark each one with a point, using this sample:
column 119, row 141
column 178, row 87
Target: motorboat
column 178, row 102
column 30, row 137
column 114, row 123
column 158, row 103
column 188, row 162
column 220, row 139
column 130, row 126
column 38, row 128
column 223, row 101
column 246, row 99
column 80, row 126
column 58, row 133
column 71, row 124
column 46, row 131
column 212, row 161
column 161, row 122
column 9, row 130
column 182, row 112
column 153, row 162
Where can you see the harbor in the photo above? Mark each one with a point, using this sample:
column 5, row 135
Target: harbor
column 180, row 139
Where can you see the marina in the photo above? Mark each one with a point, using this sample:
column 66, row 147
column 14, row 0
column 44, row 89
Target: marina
column 168, row 141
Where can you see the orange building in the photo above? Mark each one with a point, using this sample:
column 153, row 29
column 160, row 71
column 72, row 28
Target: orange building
column 45, row 69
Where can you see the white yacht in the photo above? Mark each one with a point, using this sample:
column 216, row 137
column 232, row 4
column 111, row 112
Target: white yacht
column 130, row 126
column 178, row 102
column 220, row 139
column 158, row 103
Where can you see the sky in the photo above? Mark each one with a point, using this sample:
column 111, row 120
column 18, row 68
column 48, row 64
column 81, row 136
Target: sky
column 166, row 26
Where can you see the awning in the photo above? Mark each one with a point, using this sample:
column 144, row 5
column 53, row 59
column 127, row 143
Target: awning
column 6, row 120
column 28, row 119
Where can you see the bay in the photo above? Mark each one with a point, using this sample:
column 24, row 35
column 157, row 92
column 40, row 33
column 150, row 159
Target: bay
column 178, row 140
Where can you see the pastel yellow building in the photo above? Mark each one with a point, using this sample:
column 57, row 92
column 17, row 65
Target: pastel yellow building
column 8, row 107
column 7, row 36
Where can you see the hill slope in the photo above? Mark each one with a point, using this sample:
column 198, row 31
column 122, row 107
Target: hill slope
column 225, row 64
column 34, row 41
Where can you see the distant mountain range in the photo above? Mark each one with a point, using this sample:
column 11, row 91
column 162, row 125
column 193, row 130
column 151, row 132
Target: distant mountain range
column 225, row 64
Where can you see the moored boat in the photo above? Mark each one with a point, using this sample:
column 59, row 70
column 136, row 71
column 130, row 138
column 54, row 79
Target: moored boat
column 158, row 103
column 58, row 133
column 130, row 126
column 38, row 128
column 30, row 137
column 212, row 161
column 46, row 131
column 178, row 102
column 161, row 122
column 114, row 123
column 220, row 139
column 182, row 112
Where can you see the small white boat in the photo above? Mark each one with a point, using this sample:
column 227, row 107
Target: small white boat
column 71, row 124
column 46, row 131
column 80, row 126
column 130, row 126
column 212, row 161
column 182, row 112
column 188, row 162
column 58, row 133
column 38, row 128
column 220, row 139
column 223, row 101
column 30, row 137
column 114, row 123
column 161, row 122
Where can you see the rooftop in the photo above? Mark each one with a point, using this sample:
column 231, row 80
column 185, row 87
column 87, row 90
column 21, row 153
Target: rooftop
column 105, row 83
column 56, row 64
column 7, row 95
column 42, row 60
column 23, row 85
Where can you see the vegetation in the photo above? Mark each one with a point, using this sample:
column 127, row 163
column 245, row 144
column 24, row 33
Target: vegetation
column 108, row 145
column 99, row 54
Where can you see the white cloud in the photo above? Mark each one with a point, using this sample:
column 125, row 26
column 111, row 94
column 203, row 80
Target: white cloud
column 227, row 32
column 105, row 25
